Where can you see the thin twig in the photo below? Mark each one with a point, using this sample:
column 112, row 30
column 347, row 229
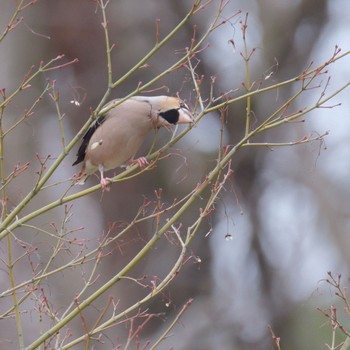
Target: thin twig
column 171, row 326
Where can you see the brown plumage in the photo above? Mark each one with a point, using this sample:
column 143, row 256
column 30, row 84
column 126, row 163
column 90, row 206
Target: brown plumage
column 114, row 138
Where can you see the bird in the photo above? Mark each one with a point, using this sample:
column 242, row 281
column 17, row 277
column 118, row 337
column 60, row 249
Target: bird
column 115, row 137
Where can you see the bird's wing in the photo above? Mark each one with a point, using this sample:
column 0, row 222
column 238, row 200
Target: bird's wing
column 86, row 138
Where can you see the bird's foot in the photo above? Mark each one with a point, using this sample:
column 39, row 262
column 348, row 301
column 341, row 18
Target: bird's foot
column 80, row 178
column 105, row 182
column 142, row 162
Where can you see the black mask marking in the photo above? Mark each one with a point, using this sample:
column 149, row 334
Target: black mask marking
column 171, row 116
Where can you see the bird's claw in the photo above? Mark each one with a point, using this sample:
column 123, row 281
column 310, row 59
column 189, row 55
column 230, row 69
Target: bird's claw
column 105, row 182
column 142, row 162
column 79, row 179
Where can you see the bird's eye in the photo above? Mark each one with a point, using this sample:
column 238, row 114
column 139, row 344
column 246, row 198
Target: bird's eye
column 183, row 105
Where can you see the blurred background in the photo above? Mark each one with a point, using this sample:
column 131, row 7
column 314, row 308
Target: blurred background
column 286, row 210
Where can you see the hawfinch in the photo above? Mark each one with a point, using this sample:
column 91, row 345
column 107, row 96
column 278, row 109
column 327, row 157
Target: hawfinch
column 114, row 138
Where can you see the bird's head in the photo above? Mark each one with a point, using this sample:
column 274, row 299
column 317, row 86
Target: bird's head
column 172, row 110
column 167, row 111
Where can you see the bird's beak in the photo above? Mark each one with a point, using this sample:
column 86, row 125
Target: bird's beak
column 185, row 116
